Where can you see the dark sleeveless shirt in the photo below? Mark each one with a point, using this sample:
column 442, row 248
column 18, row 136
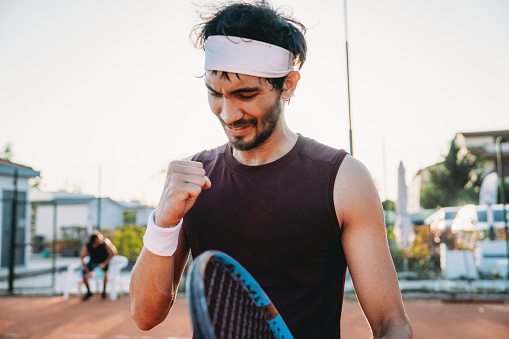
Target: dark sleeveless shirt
column 98, row 254
column 278, row 221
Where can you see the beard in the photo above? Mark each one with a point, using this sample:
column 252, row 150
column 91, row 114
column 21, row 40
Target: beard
column 264, row 128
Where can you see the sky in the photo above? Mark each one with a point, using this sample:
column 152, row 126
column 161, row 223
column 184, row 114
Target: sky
column 99, row 96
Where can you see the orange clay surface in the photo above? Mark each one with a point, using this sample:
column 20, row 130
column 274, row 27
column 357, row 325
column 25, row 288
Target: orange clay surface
column 53, row 317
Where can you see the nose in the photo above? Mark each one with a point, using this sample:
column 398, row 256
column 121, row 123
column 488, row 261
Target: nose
column 230, row 112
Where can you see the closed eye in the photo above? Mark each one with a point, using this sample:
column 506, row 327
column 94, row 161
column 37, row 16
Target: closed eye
column 215, row 94
column 212, row 92
column 246, row 97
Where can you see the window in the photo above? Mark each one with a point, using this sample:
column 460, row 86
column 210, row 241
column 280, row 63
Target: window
column 482, row 216
column 450, row 215
column 129, row 217
column 499, row 215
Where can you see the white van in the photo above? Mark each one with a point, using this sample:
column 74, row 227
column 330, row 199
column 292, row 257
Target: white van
column 442, row 219
column 491, row 215
column 479, row 217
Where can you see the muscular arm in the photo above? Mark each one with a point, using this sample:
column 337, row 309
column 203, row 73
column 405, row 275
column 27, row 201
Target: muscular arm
column 111, row 252
column 155, row 278
column 83, row 254
column 111, row 246
column 154, row 282
column 364, row 241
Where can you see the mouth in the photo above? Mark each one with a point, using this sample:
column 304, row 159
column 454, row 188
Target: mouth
column 238, row 130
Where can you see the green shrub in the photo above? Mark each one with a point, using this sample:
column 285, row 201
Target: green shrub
column 423, row 259
column 73, row 236
column 128, row 239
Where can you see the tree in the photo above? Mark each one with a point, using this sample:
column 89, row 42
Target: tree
column 388, row 205
column 454, row 181
column 129, row 240
column 6, row 153
column 35, row 183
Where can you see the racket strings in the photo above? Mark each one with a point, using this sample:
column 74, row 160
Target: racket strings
column 232, row 311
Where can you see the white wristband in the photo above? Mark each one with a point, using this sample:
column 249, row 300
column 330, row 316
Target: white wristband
column 159, row 240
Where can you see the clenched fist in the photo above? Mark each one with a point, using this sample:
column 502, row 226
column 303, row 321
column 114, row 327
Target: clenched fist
column 184, row 182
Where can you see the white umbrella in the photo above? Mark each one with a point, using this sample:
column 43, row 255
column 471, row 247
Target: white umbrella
column 489, row 190
column 488, row 196
column 403, row 231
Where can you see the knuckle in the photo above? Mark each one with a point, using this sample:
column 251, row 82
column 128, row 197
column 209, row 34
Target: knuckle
column 195, row 190
column 173, row 166
column 170, row 170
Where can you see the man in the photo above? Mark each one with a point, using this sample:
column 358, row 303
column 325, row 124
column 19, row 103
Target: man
column 100, row 250
column 292, row 211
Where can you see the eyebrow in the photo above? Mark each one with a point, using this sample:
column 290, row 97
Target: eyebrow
column 240, row 90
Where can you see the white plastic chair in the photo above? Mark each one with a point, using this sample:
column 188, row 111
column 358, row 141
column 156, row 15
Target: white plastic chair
column 73, row 275
column 456, row 264
column 491, row 257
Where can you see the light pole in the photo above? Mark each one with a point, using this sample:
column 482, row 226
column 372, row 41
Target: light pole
column 348, row 84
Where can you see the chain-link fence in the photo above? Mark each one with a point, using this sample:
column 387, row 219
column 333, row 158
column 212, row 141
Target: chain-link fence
column 459, row 244
column 30, row 262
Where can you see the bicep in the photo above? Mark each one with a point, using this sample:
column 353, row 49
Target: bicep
column 109, row 248
column 364, row 242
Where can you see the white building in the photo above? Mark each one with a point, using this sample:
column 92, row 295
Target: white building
column 136, row 213
column 14, row 178
column 54, row 210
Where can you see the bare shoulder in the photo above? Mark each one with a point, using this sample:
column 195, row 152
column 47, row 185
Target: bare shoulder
column 110, row 244
column 352, row 172
column 354, row 191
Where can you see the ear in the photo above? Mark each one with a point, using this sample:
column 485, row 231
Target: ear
column 290, row 85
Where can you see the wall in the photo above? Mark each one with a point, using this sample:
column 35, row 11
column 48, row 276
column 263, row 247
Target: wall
column 112, row 214
column 142, row 216
column 67, row 215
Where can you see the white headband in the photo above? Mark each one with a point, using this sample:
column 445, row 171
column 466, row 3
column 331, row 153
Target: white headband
column 245, row 56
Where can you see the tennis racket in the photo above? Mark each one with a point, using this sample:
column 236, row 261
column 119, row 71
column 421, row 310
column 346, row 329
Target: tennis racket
column 226, row 302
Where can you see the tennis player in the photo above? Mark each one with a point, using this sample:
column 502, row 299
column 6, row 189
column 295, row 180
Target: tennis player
column 294, row 212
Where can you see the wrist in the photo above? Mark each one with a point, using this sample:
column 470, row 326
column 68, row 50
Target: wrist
column 162, row 241
column 163, row 222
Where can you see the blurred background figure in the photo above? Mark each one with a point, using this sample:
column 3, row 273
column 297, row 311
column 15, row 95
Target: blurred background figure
column 100, row 251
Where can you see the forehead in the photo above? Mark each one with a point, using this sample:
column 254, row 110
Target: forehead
column 229, row 80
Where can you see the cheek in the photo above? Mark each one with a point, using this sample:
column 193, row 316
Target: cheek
column 215, row 105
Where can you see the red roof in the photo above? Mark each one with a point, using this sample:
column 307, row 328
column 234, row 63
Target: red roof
column 9, row 163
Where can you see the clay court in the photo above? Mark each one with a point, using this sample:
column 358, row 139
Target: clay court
column 53, row 317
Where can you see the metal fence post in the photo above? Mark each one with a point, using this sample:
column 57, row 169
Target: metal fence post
column 501, row 179
column 54, row 247
column 14, row 220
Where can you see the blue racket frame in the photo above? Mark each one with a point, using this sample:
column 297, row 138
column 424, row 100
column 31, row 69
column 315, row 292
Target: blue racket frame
column 198, row 304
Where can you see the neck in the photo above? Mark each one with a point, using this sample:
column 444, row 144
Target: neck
column 280, row 143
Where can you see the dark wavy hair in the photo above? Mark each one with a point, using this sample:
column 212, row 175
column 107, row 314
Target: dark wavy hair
column 92, row 237
column 258, row 21
column 91, row 240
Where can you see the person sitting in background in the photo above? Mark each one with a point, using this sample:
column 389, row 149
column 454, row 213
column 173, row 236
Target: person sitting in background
column 100, row 250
